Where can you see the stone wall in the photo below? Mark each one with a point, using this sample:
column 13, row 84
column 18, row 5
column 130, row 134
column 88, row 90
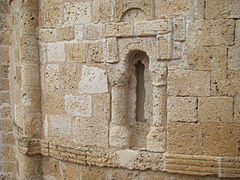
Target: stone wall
column 84, row 108
column 7, row 141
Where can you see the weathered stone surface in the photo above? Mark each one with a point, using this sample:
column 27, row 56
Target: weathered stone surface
column 4, row 84
column 236, row 109
column 182, row 109
column 77, row 12
column 76, row 52
column 51, row 167
column 51, row 15
column 8, row 138
column 70, row 171
column 184, row 138
column 155, row 27
column 93, row 173
column 221, row 140
column 55, row 52
column 127, row 157
column 4, row 58
column 225, row 83
column 156, row 139
column 177, row 50
column 60, row 126
column 7, row 153
column 164, row 47
column 234, row 58
column 211, row 32
column 188, row 83
column 4, row 70
column 28, row 24
column 118, row 29
column 52, row 77
column 171, row 8
column 65, row 33
column 237, row 32
column 47, row 35
column 78, row 105
column 207, row 58
column 123, row 6
column 102, row 10
column 215, row 109
column 54, row 103
column 222, row 9
column 93, row 31
column 179, row 29
column 111, row 44
column 93, row 80
column 79, row 30
column 96, row 52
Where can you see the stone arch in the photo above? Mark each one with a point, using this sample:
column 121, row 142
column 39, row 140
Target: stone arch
column 133, row 14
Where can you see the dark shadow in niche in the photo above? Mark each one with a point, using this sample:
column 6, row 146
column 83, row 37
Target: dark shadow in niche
column 139, row 98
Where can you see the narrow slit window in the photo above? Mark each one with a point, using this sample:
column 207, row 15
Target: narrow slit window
column 140, row 91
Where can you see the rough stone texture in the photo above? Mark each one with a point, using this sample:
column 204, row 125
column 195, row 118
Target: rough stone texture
column 182, row 109
column 188, row 83
column 69, row 87
column 221, row 140
column 215, row 109
column 184, row 138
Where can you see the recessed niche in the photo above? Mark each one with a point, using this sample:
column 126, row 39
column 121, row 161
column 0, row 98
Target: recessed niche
column 139, row 99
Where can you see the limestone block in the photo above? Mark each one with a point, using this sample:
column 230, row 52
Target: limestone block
column 5, row 37
column 5, row 125
column 127, row 157
column 53, row 103
column 55, row 52
column 134, row 15
column 206, row 58
column 78, row 105
column 7, row 153
column 179, row 29
column 156, row 139
column 121, row 29
column 52, row 77
column 177, row 50
column 42, row 53
column 96, row 52
column 102, row 10
column 236, row 108
column 169, row 8
column 29, row 4
column 211, row 32
column 79, row 30
column 188, row 83
column 123, row 174
column 4, row 85
column 76, row 52
column 93, row 31
column 8, row 138
column 234, row 58
column 30, row 76
column 4, row 70
column 93, row 173
column 221, row 140
column 70, row 76
column 5, row 110
column 158, row 73
column 65, row 33
column 225, row 83
column 4, row 58
column 51, row 167
column 47, row 35
column 182, row 109
column 90, row 132
column 237, row 32
column 215, row 109
column 51, row 15
column 60, row 126
column 29, row 50
column 222, row 9
column 184, row 138
column 77, row 12
column 4, row 98
column 101, row 107
column 28, row 21
column 31, row 100
column 9, row 167
column 93, row 80
column 123, row 6
column 119, row 137
column 164, row 47
column 112, row 53
column 155, row 27
column 70, row 171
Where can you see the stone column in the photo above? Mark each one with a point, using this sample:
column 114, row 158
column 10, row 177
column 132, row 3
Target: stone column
column 156, row 138
column 25, row 88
